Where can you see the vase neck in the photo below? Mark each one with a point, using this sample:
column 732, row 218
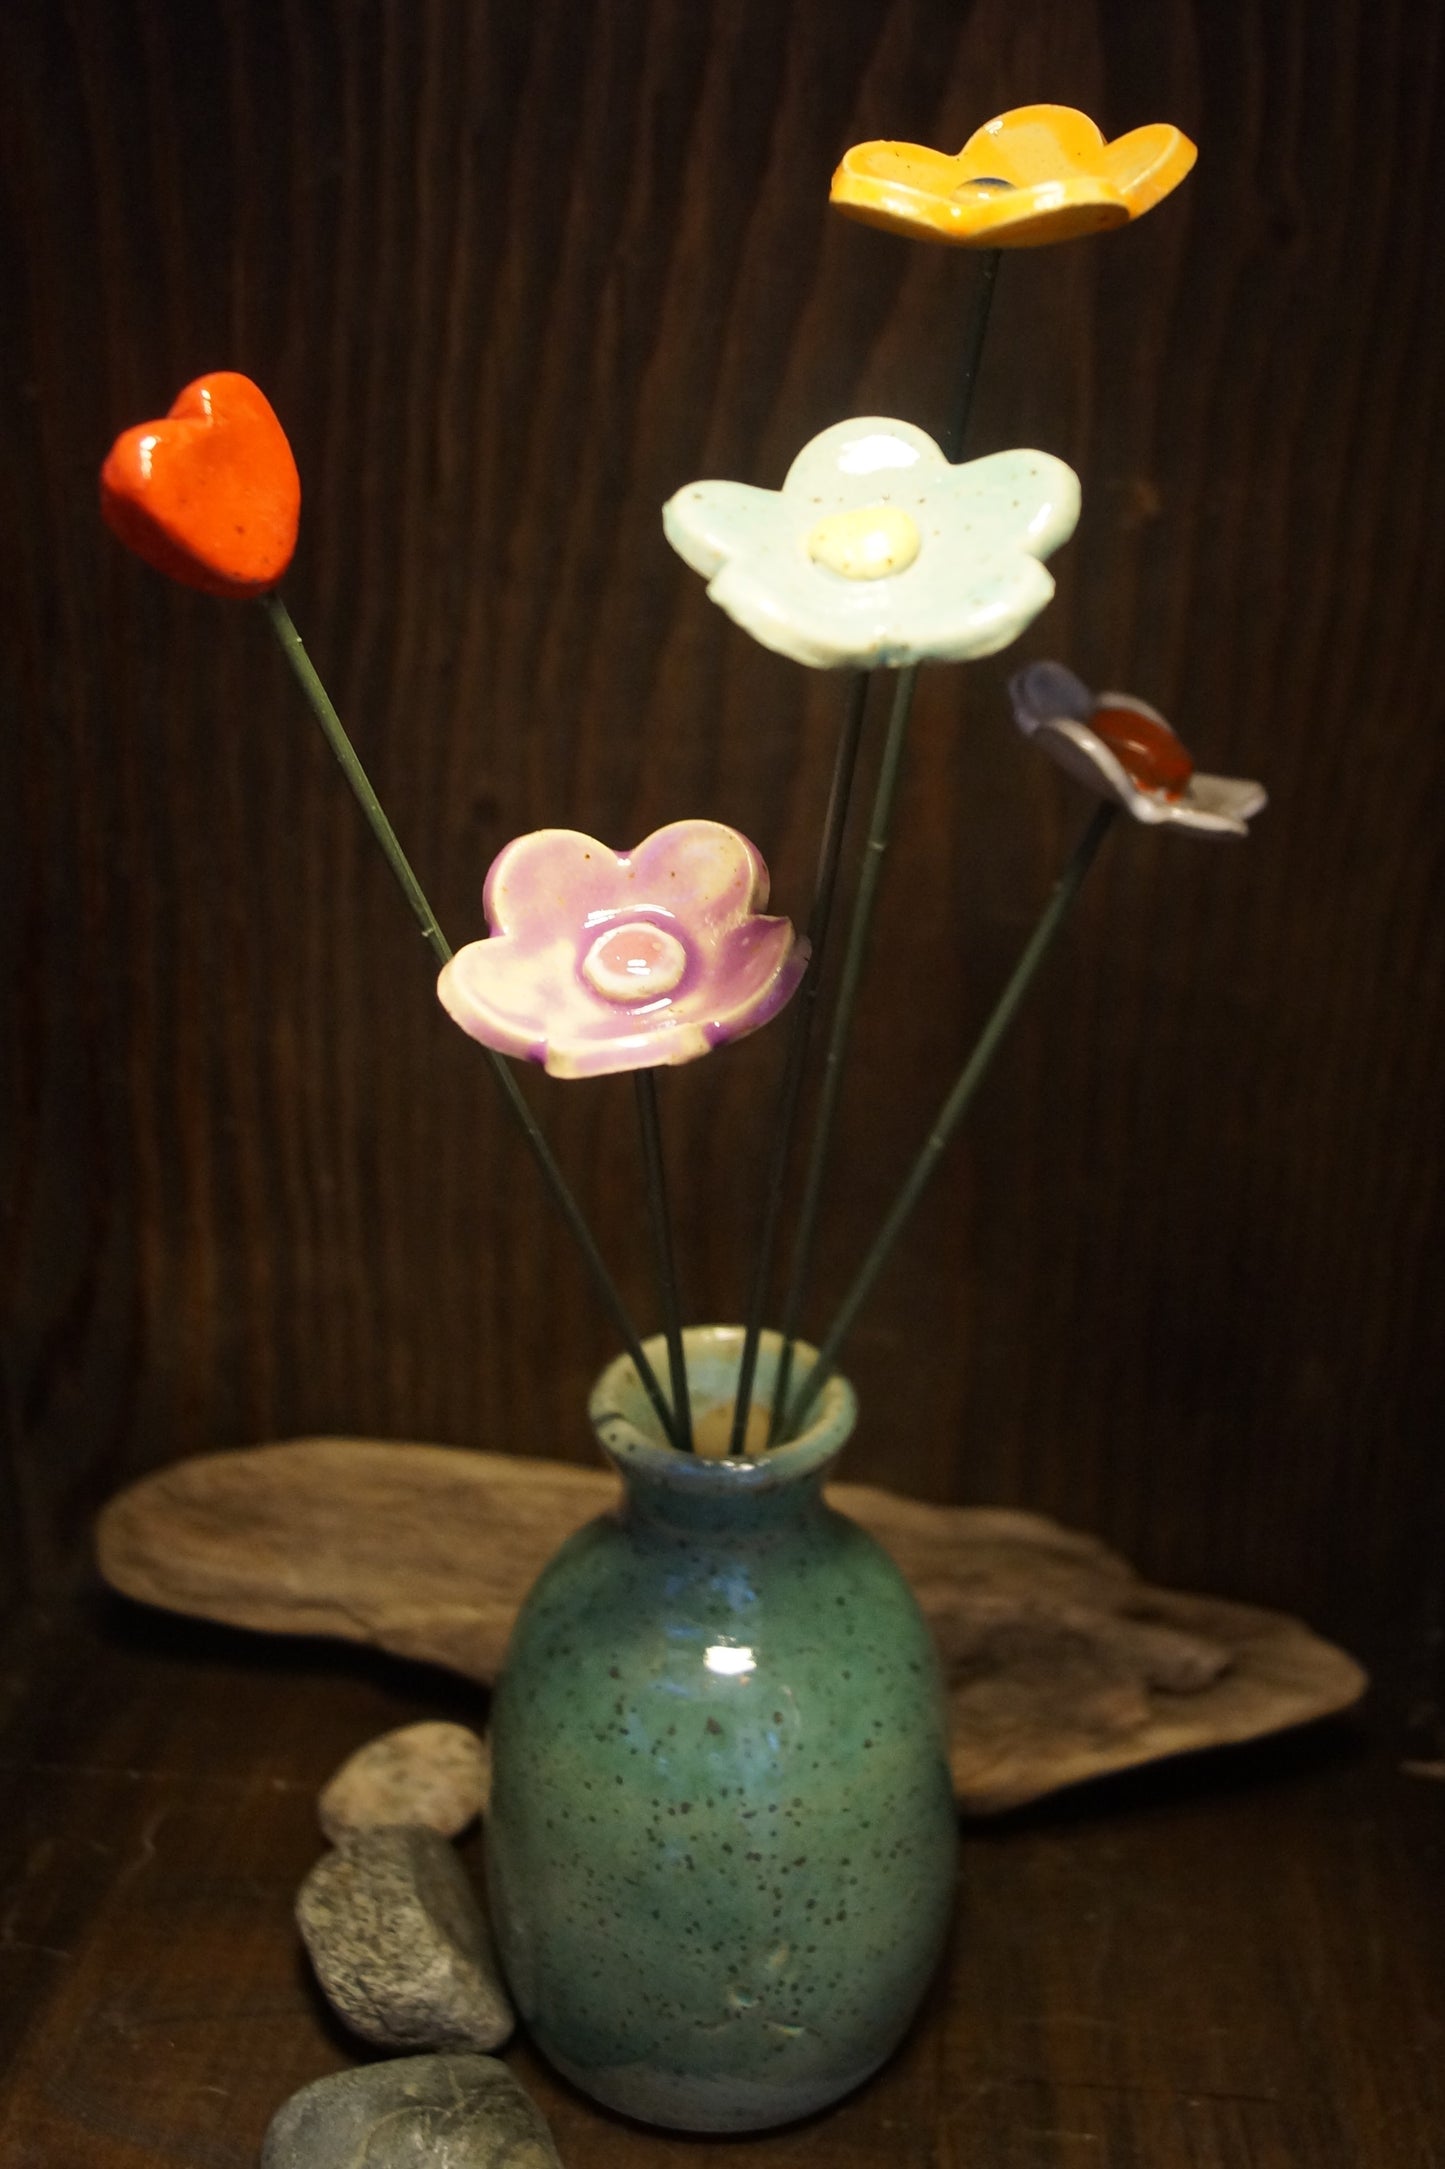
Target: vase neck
column 716, row 1499
column 761, row 1494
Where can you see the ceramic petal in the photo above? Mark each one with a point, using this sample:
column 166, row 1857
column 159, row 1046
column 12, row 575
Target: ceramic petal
column 1121, row 748
column 877, row 551
column 600, row 960
column 1037, row 174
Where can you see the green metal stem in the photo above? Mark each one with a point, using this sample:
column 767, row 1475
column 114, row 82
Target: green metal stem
column 655, row 1183
column 954, row 1107
column 951, row 442
column 864, row 902
column 835, row 822
column 831, row 1085
column 346, row 756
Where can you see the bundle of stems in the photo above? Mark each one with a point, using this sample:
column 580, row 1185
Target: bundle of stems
column 789, row 1412
column 789, row 1409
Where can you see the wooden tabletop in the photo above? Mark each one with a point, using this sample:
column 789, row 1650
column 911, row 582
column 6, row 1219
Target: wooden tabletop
column 1232, row 1963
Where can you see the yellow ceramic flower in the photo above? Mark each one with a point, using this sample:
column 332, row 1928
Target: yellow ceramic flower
column 1040, row 173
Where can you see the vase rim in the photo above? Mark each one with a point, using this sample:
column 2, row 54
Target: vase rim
column 628, row 1431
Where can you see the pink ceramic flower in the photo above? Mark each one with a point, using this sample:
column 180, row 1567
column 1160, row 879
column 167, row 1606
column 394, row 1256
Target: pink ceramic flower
column 603, row 960
column 1123, row 749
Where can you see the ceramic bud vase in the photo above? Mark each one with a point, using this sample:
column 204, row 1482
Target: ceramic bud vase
column 721, row 1846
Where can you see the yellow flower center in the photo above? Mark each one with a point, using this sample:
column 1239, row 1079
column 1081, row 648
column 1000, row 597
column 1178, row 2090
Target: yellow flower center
column 867, row 543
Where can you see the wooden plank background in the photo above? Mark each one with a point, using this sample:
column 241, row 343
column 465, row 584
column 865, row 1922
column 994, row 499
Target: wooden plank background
column 510, row 276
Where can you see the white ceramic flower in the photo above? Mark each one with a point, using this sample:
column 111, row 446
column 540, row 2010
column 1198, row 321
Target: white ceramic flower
column 1123, row 749
column 876, row 551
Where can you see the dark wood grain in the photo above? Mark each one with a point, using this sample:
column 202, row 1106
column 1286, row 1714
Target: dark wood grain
column 1233, row 1966
column 510, row 276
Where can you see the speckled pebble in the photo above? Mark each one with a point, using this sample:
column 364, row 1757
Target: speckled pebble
column 450, row 2112
column 432, row 1774
column 400, row 1946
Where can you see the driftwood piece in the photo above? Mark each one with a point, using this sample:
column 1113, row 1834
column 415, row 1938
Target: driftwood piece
column 1061, row 1663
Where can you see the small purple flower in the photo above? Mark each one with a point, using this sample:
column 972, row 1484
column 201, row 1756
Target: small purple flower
column 603, row 960
column 1123, row 749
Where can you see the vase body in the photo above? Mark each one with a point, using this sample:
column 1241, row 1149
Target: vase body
column 721, row 1846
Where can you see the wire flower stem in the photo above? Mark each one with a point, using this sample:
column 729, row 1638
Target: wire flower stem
column 954, row 1107
column 655, row 1181
column 835, row 821
column 951, row 442
column 831, row 1084
column 335, row 734
column 863, row 903
column 334, row 730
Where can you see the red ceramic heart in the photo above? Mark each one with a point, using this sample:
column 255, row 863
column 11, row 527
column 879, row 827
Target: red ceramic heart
column 210, row 495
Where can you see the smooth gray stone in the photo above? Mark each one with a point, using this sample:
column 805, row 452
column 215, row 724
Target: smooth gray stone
column 421, row 2112
column 431, row 1773
column 399, row 1944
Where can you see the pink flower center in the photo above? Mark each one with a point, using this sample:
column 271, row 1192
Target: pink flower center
column 636, row 962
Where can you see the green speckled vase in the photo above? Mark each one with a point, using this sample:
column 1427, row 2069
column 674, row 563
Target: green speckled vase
column 721, row 1846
